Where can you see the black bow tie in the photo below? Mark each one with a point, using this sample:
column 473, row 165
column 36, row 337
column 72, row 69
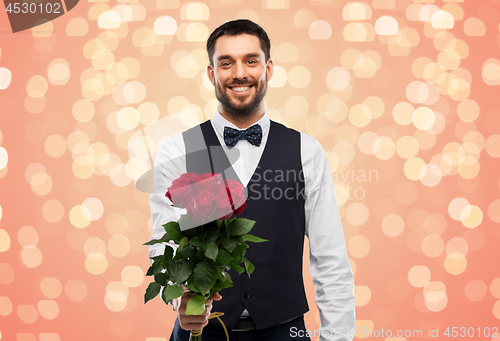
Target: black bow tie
column 252, row 135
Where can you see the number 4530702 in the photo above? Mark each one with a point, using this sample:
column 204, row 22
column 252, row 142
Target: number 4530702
column 24, row 7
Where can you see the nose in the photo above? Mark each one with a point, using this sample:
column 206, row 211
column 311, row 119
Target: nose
column 239, row 71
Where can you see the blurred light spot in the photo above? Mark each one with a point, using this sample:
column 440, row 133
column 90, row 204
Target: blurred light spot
column 442, row 20
column 51, row 287
column 357, row 214
column 4, row 241
column 49, row 337
column 423, row 118
column 128, row 118
column 457, row 244
column 250, row 15
column 346, row 133
column 426, row 12
column 304, row 18
column 376, row 105
column 468, row 110
column 407, row 147
column 108, row 20
column 83, row 110
column 119, row 245
column 95, row 209
column 406, row 193
column 494, row 211
column 419, row 276
column 77, row 27
column 449, row 59
column 37, row 86
column 358, row 246
column 393, row 225
column 432, row 245
column 94, row 245
column 360, row 115
column 31, row 256
column 320, row 30
column 103, row 59
column 121, row 175
column 492, row 146
column 468, row 167
column 6, row 272
column 77, row 218
column 344, row 152
column 475, row 290
column 458, row 208
column 279, row 78
column 132, row 276
column 474, row 27
column 195, row 11
column 116, row 296
column 192, row 32
column 96, row 263
column 296, row 106
column 491, row 71
column 75, row 290
column 386, row 26
column 287, row 53
column 403, row 113
column 455, row 263
column 48, row 309
column 27, row 236
column 384, row 148
column 430, row 175
column 435, row 296
column 58, row 72
column 27, row 313
column 5, row 78
column 362, row 295
column 471, row 216
column 357, row 11
column 332, row 108
column 299, row 77
column 148, row 113
column 366, row 142
column 5, row 306
column 55, row 146
column 43, row 31
column 358, row 32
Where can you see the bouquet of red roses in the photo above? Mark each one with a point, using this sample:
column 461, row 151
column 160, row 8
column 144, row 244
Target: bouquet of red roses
column 209, row 241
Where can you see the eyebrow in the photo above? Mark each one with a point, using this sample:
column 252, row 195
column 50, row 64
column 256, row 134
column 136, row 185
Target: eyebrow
column 249, row 55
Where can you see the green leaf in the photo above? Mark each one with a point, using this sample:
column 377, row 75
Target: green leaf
column 191, row 286
column 186, row 253
column 172, row 291
column 165, row 238
column 181, row 270
column 184, row 241
column 154, row 269
column 152, row 291
column 211, row 250
column 223, row 257
column 174, row 231
column 251, row 238
column 221, row 285
column 205, row 276
column 248, row 266
column 161, row 278
column 240, row 226
column 195, row 305
column 212, row 236
column 168, row 253
column 229, row 244
column 196, row 241
column 237, row 268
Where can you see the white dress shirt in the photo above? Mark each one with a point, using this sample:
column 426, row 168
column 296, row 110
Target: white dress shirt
column 329, row 264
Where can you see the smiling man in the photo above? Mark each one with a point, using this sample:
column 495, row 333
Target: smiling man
column 291, row 196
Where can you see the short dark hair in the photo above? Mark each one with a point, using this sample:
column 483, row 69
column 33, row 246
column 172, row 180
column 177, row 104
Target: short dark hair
column 237, row 27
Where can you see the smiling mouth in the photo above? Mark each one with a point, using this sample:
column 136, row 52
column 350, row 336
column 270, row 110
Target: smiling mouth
column 240, row 89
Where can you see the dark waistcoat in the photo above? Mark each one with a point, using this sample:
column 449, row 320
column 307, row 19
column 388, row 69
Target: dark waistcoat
column 275, row 291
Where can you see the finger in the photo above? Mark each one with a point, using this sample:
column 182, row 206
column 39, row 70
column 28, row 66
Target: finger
column 216, row 296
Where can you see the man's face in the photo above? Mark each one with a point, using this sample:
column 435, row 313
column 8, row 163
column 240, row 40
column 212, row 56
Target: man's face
column 240, row 74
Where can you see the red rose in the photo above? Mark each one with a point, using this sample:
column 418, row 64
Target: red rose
column 202, row 207
column 224, row 209
column 208, row 181
column 237, row 195
column 181, row 192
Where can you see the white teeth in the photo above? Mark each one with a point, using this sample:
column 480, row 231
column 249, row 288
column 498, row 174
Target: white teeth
column 241, row 88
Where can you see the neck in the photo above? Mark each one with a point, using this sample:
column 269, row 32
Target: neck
column 243, row 122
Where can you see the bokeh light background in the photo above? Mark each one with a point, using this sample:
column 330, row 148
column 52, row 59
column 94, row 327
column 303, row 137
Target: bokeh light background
column 403, row 95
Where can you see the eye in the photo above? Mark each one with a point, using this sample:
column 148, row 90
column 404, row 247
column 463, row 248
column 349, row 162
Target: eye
column 252, row 62
column 224, row 64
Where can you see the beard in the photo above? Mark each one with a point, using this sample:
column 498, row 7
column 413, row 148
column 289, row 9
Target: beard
column 240, row 109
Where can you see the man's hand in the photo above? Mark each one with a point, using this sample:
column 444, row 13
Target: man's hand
column 193, row 322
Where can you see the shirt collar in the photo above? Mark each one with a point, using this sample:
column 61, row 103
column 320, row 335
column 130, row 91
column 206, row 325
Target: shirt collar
column 220, row 122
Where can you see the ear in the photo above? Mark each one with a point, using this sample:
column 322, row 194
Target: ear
column 269, row 69
column 210, row 73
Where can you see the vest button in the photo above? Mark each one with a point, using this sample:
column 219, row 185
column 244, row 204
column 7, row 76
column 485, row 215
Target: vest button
column 246, row 295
